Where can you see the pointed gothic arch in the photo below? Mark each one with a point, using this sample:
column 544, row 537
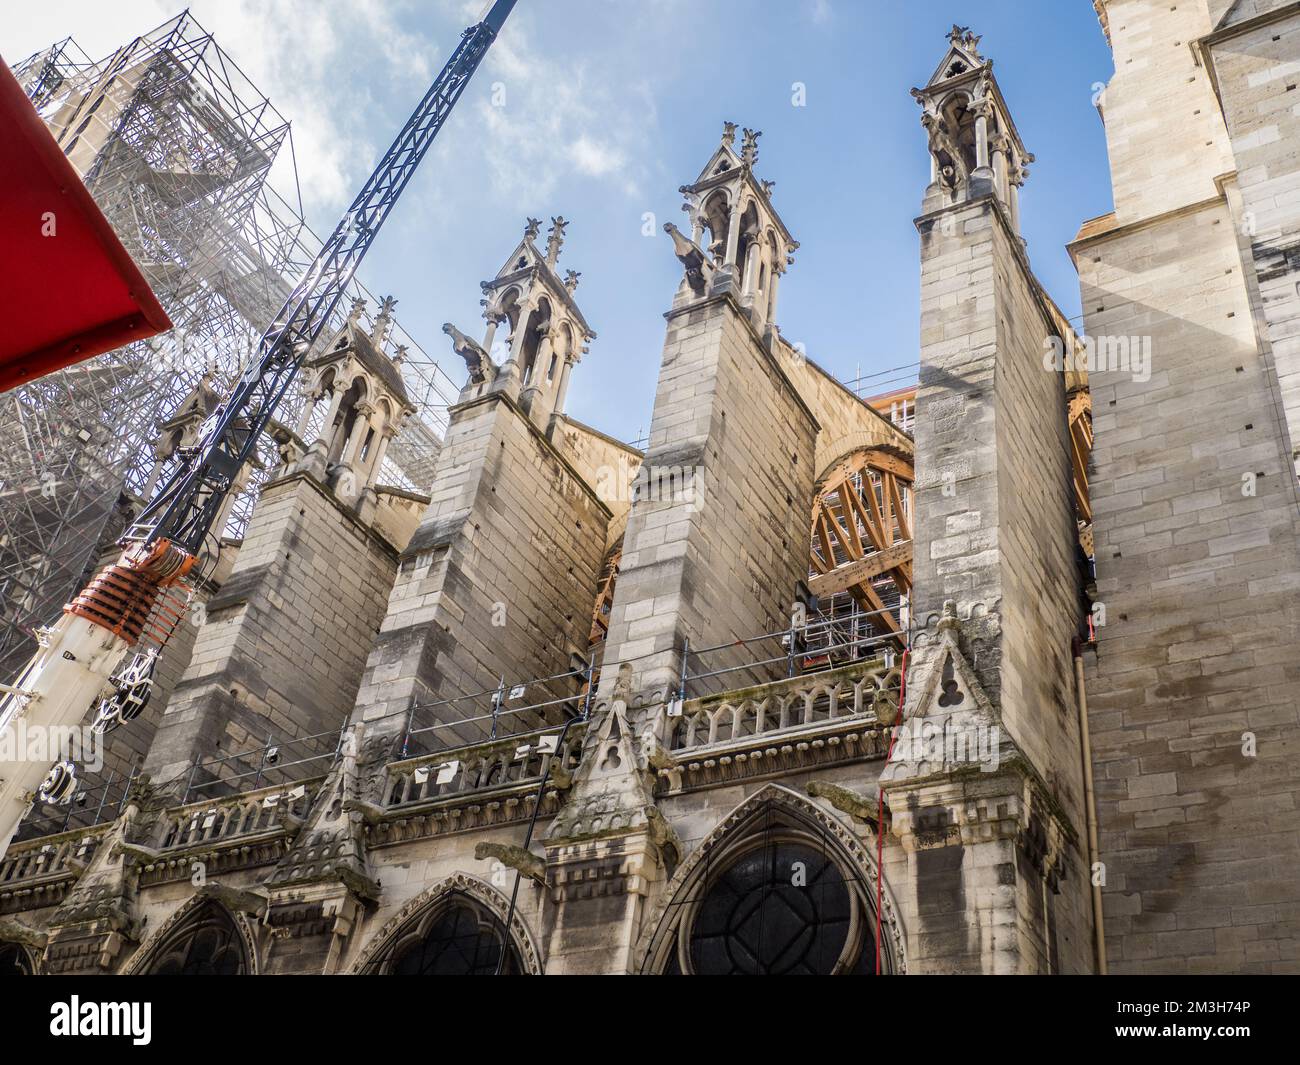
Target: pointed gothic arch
column 452, row 916
column 713, row 914
column 202, row 938
column 16, row 960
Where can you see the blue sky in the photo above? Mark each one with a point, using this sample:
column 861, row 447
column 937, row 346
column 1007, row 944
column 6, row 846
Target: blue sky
column 610, row 105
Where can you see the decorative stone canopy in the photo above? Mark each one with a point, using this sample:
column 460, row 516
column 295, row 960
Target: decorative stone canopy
column 748, row 247
column 536, row 332
column 974, row 147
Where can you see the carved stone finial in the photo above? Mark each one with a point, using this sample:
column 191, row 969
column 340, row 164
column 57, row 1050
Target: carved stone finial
column 399, row 354
column 532, row 227
column 555, row 238
column 768, row 186
column 358, row 309
column 749, row 146
column 962, row 37
column 729, row 133
column 571, row 279
column 383, row 321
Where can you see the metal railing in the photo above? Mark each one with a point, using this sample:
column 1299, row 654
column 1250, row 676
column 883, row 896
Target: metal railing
column 822, row 643
column 275, row 763
column 88, row 806
column 443, row 731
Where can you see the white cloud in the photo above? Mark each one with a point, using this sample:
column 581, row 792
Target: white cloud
column 820, row 11
column 555, row 120
column 595, row 158
column 314, row 59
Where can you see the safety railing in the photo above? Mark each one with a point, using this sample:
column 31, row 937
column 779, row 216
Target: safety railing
column 88, row 806
column 523, row 758
column 274, row 764
column 820, row 644
column 508, row 710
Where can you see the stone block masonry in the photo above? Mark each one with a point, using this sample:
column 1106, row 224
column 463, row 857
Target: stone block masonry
column 284, row 643
column 717, row 559
column 1194, row 692
column 499, row 580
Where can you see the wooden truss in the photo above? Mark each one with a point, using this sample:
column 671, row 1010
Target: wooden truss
column 862, row 529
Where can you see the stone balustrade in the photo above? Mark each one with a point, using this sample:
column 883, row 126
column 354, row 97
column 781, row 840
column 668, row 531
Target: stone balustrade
column 478, row 768
column 49, row 856
column 237, row 816
column 865, row 691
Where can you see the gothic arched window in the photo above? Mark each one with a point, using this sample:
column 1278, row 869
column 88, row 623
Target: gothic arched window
column 14, row 961
column 779, row 896
column 782, row 908
column 206, row 944
column 458, row 937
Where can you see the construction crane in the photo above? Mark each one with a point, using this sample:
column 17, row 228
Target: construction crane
column 78, row 657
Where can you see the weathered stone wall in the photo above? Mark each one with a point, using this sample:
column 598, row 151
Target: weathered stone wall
column 284, row 642
column 500, row 578
column 608, row 465
column 994, row 532
column 1256, row 64
column 1164, row 132
column 846, row 423
column 719, row 538
column 1193, row 692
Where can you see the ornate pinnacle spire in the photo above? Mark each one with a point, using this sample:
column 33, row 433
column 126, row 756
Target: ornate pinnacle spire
column 962, row 37
column 358, row 309
column 749, row 146
column 383, row 321
column 532, row 227
column 555, row 239
column 729, row 133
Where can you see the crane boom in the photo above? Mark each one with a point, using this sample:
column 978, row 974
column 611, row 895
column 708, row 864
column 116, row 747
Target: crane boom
column 78, row 654
column 187, row 503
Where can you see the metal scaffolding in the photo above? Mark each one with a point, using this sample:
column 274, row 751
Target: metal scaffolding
column 175, row 144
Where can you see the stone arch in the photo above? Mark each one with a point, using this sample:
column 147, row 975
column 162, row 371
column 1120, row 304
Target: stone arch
column 421, row 905
column 189, row 910
column 661, row 925
column 18, row 960
column 715, row 215
column 841, row 447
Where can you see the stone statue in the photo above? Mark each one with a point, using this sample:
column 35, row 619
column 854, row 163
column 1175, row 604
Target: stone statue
column 691, row 257
column 477, row 361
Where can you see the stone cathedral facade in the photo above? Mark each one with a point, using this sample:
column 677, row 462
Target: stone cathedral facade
column 790, row 689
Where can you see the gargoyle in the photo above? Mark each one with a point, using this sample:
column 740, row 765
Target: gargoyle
column 250, row 902
column 477, row 361
column 14, row 931
column 526, row 862
column 663, row 836
column 856, row 806
column 698, row 267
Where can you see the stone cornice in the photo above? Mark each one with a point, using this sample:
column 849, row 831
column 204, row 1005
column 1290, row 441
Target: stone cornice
column 771, row 755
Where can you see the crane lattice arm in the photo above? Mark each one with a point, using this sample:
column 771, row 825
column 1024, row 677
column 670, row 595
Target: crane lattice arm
column 188, row 502
column 80, row 652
